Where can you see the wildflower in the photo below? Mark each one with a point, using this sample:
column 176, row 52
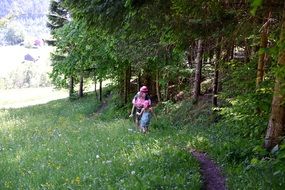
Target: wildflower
column 77, row 180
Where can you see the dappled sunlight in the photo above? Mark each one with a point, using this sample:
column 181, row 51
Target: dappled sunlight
column 8, row 122
column 18, row 157
column 197, row 141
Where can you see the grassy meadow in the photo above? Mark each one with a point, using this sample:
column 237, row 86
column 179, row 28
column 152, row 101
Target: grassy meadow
column 67, row 145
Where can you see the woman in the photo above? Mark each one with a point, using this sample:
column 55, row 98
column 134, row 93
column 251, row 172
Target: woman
column 138, row 103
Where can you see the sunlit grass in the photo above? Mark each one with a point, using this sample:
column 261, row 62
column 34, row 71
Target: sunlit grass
column 16, row 98
column 65, row 145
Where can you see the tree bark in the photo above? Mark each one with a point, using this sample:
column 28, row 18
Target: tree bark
column 276, row 125
column 71, row 86
column 95, row 87
column 216, row 76
column 262, row 56
column 198, row 72
column 80, row 93
column 127, row 83
column 157, row 86
column 139, row 80
column 247, row 50
column 100, row 90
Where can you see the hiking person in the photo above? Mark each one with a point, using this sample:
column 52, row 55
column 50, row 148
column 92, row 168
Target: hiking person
column 146, row 115
column 138, row 103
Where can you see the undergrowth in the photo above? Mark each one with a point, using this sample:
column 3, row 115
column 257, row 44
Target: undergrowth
column 232, row 134
column 232, row 138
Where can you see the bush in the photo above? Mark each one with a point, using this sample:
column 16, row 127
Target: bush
column 13, row 36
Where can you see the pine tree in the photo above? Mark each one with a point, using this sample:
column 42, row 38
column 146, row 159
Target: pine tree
column 57, row 16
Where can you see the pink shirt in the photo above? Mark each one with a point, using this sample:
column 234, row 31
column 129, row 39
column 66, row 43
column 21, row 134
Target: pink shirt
column 138, row 102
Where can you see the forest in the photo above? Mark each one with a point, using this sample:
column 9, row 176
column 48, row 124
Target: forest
column 229, row 54
column 215, row 71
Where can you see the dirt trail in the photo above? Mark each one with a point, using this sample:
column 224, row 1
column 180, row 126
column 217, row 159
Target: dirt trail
column 211, row 173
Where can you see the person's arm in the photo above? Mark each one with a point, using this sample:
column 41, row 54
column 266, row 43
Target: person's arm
column 140, row 113
column 133, row 108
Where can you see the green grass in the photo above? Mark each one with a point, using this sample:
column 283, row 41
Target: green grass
column 235, row 145
column 66, row 145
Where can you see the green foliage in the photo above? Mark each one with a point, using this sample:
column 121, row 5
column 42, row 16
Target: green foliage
column 57, row 16
column 232, row 137
column 254, row 5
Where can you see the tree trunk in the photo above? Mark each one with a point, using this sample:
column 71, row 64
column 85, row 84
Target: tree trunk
column 71, row 86
column 276, row 125
column 167, row 93
column 100, row 90
column 198, row 71
column 95, row 87
column 216, row 76
column 139, row 80
column 127, row 83
column 247, row 50
column 262, row 56
column 80, row 93
column 157, row 86
column 121, row 83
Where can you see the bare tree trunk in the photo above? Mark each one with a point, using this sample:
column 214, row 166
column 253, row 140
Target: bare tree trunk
column 139, row 80
column 167, row 93
column 232, row 49
column 262, row 56
column 71, row 86
column 100, row 90
column 95, row 87
column 216, row 76
column 276, row 125
column 157, row 86
column 121, row 81
column 247, row 50
column 198, row 71
column 127, row 84
column 80, row 93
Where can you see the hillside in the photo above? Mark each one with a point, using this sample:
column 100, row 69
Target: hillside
column 68, row 145
column 26, row 19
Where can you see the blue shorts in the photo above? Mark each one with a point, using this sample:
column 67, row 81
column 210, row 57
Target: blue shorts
column 145, row 120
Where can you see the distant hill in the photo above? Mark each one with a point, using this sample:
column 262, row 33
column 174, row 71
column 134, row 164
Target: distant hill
column 27, row 19
column 5, row 7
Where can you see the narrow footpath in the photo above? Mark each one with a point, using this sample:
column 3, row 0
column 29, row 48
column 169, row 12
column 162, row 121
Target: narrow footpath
column 211, row 173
